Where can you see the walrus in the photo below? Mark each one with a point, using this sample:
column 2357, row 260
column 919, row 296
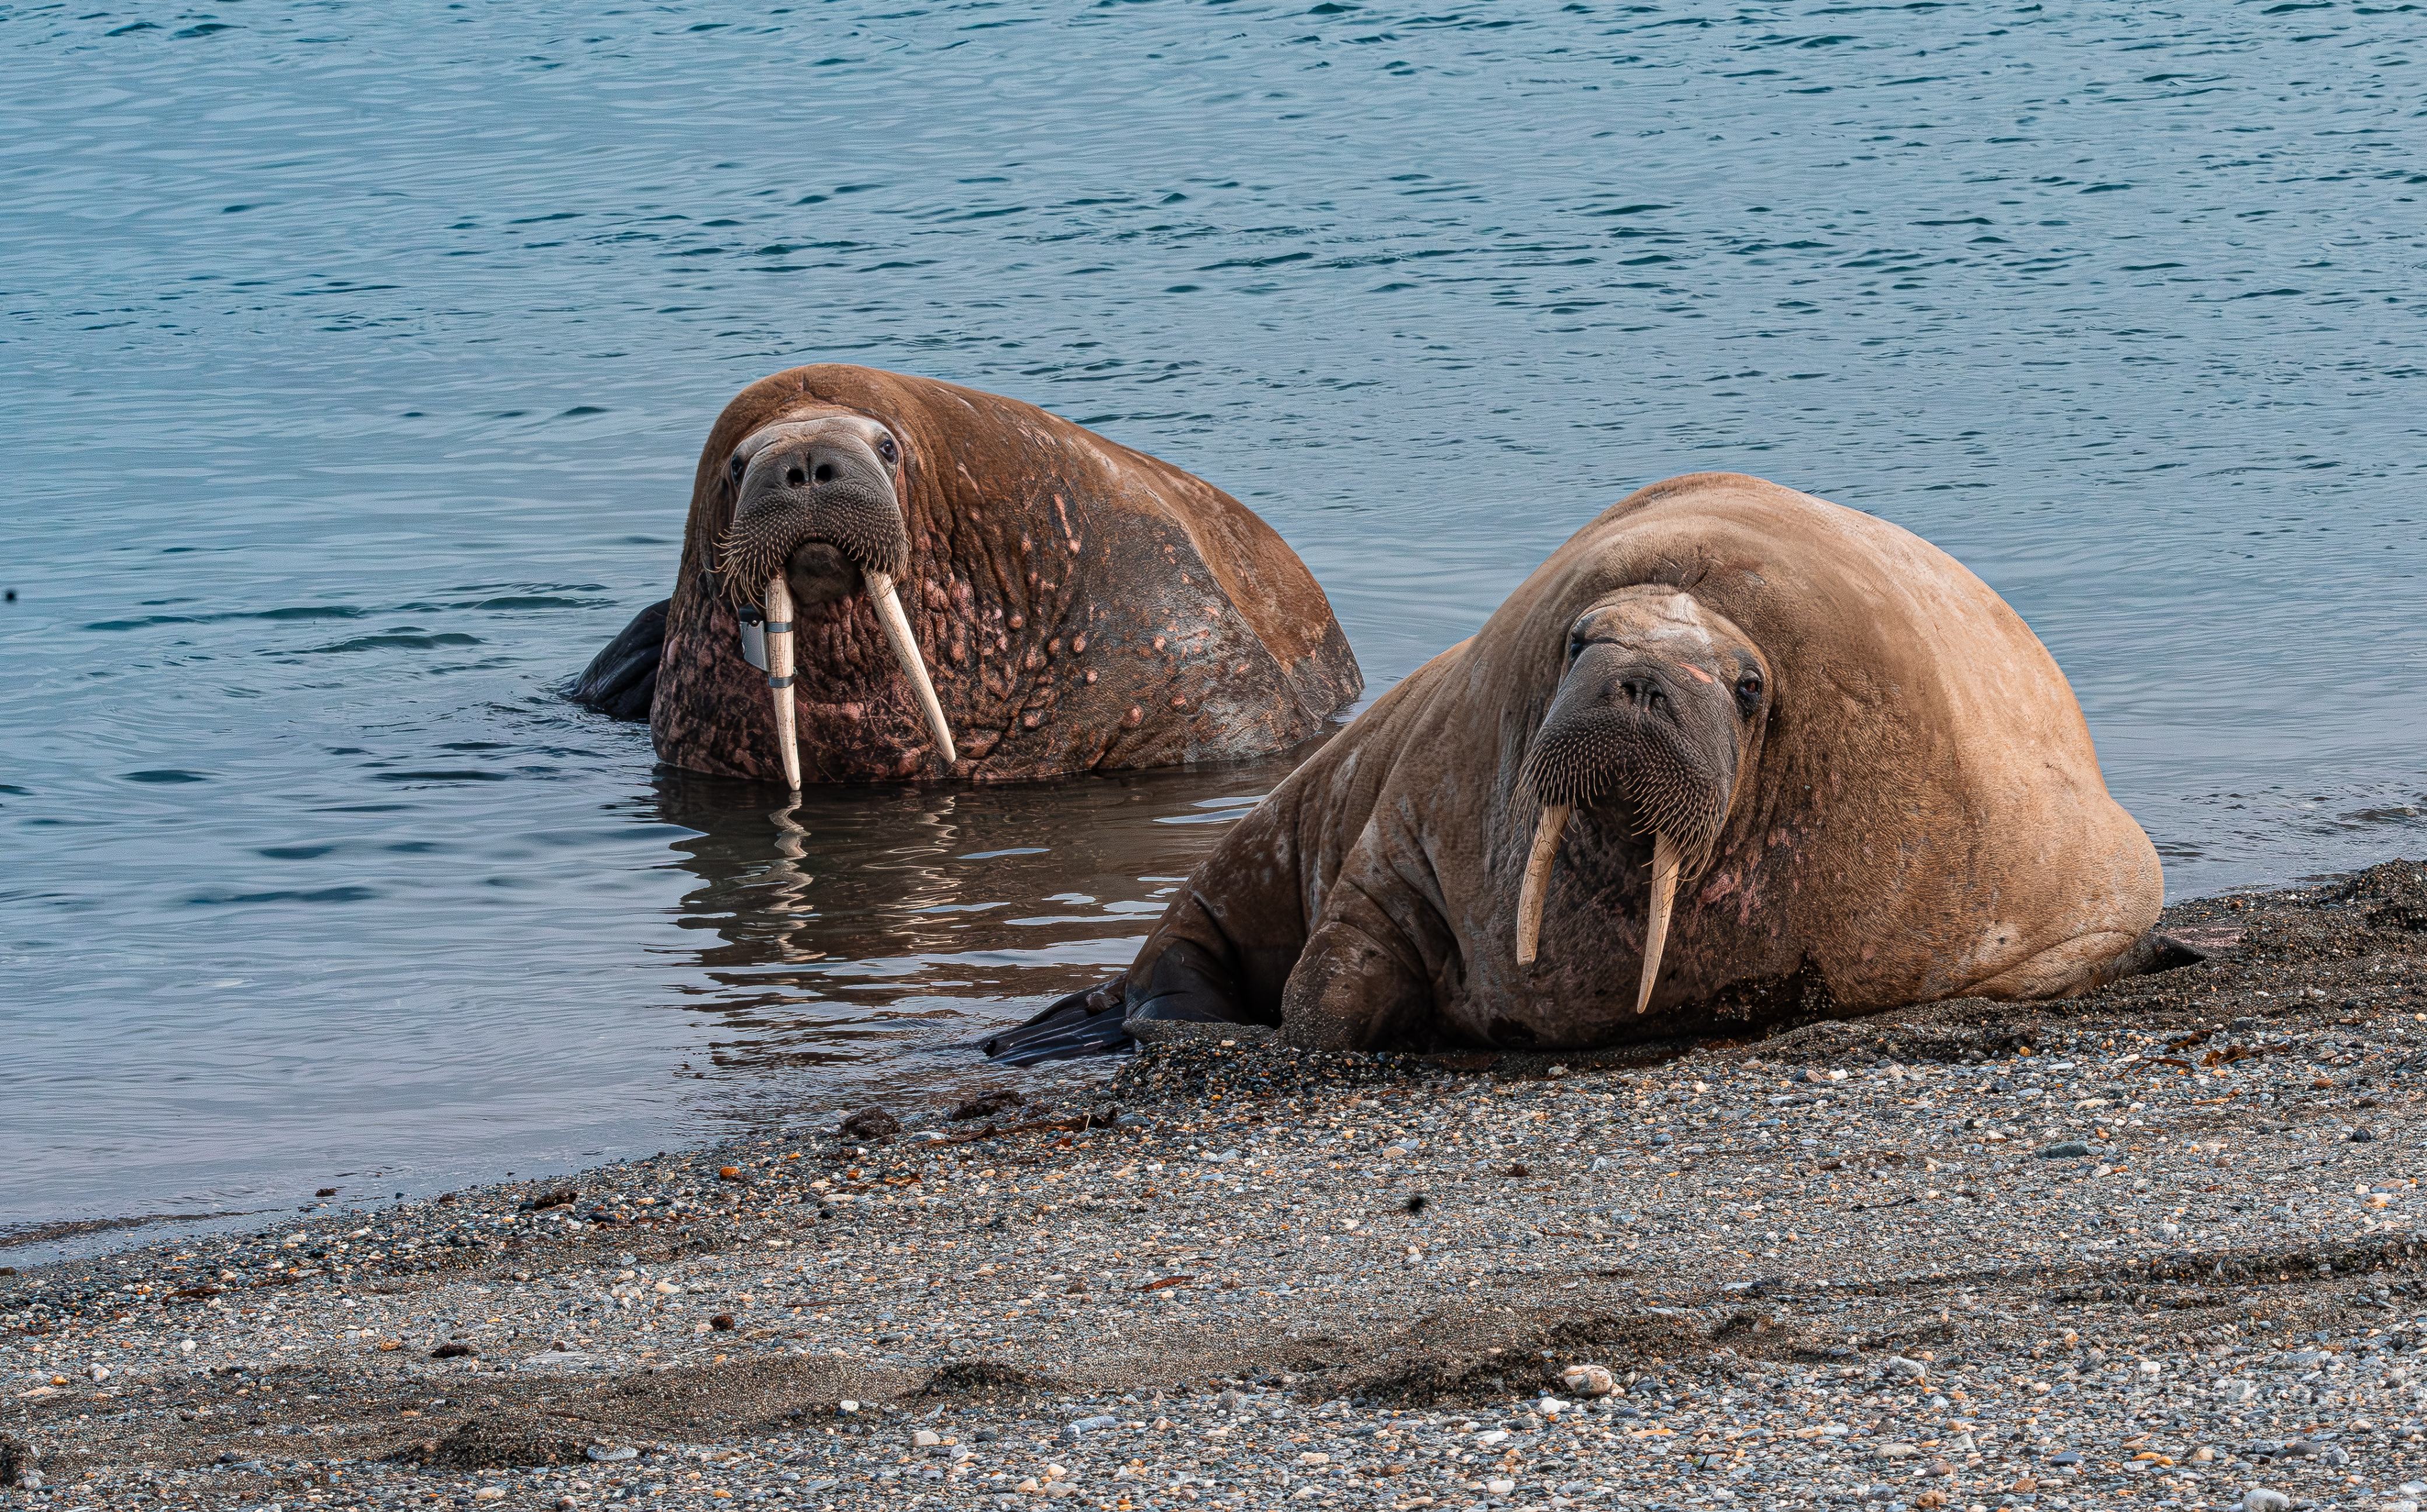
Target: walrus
column 1733, row 755
column 948, row 583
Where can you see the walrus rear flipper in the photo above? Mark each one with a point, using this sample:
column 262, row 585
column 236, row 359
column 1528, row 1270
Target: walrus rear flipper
column 1084, row 1023
column 2148, row 955
column 621, row 680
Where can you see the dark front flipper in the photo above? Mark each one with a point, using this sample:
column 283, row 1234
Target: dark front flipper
column 1083, row 1023
column 621, row 680
column 1187, row 983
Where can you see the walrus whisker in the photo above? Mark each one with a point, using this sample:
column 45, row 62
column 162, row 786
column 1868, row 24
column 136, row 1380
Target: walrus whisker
column 778, row 630
column 905, row 651
column 1666, row 859
column 1552, row 824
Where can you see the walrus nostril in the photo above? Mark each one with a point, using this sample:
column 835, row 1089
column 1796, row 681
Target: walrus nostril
column 795, row 477
column 1641, row 692
column 825, row 473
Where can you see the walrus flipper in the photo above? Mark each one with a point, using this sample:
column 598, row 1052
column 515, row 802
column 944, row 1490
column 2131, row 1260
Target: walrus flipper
column 1188, row 984
column 621, row 680
column 1088, row 1022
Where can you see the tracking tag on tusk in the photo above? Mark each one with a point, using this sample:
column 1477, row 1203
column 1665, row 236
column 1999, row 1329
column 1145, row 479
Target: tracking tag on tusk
column 754, row 636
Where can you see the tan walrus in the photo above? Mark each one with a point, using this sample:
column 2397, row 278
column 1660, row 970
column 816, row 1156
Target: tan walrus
column 957, row 584
column 1732, row 755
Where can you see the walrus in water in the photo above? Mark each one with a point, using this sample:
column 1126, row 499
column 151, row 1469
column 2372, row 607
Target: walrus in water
column 936, row 582
column 1733, row 755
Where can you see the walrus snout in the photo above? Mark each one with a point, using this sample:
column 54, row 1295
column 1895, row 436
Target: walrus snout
column 1652, row 720
column 807, row 484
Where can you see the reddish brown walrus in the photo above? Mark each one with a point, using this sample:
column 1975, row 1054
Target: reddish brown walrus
column 1073, row 605
column 1738, row 753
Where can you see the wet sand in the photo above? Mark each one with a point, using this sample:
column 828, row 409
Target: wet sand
column 2154, row 1247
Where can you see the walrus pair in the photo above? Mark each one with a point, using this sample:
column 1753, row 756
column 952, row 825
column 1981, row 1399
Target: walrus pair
column 1732, row 753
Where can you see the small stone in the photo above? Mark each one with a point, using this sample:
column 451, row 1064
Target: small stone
column 2362, row 1135
column 1094, row 1424
column 985, row 1105
column 2237, row 1392
column 99, row 1373
column 722, row 1323
column 1550, row 1406
column 1897, row 1451
column 869, row 1123
column 2065, row 1457
column 846, row 1406
column 1314, row 1457
column 926, row 1439
column 1911, row 1370
column 2071, row 1149
column 728, row 1173
column 1499, row 1486
column 2259, row 1498
column 1587, row 1380
column 490, row 1494
column 610, row 1454
column 455, row 1349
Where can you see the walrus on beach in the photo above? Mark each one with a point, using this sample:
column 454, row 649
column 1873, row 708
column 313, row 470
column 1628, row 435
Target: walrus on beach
column 949, row 583
column 1733, row 755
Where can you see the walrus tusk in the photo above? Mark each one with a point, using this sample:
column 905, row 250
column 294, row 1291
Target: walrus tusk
column 1554, row 824
column 1665, row 861
column 779, row 678
column 905, row 651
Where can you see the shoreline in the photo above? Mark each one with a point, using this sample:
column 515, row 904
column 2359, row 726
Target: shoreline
column 2042, row 1255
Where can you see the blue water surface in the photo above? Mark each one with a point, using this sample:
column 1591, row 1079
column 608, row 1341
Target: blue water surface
column 355, row 360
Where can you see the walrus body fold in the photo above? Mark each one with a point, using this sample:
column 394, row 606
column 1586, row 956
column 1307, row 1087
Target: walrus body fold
column 1844, row 771
column 980, row 590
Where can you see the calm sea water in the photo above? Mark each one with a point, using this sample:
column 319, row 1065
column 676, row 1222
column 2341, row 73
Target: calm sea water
column 353, row 360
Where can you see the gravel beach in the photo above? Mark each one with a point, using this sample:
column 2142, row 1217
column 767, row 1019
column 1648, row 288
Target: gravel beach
column 2162, row 1246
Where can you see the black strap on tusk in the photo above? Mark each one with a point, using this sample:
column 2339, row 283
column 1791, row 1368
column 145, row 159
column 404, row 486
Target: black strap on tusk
column 777, row 627
column 785, row 681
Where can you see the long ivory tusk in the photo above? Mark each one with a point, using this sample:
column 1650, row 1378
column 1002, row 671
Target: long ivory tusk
column 779, row 678
column 1665, row 861
column 905, row 651
column 1552, row 824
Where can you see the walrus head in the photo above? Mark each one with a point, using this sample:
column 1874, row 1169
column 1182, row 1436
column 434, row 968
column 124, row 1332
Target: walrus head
column 1658, row 711
column 817, row 515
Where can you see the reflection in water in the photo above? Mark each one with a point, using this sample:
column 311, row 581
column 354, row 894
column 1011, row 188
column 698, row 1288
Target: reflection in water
column 860, row 921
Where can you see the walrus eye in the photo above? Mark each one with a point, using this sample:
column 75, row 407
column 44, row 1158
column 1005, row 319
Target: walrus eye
column 736, row 468
column 885, row 448
column 1748, row 691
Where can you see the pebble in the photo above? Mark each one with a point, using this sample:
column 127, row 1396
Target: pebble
column 2259, row 1498
column 2064, row 1150
column 1587, row 1380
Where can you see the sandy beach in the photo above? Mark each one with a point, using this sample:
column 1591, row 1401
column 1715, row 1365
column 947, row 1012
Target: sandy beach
column 2160, row 1246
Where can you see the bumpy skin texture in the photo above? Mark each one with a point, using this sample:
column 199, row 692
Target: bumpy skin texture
column 1081, row 606
column 1921, row 816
